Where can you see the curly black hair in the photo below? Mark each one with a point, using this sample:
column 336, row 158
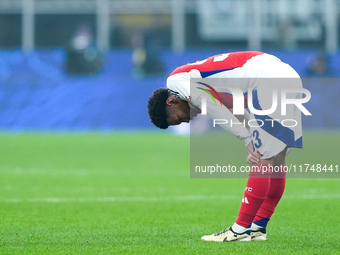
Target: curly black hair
column 157, row 108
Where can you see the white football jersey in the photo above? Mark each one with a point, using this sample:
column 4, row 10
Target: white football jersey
column 217, row 75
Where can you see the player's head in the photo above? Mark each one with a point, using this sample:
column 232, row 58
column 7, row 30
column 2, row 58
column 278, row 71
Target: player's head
column 166, row 110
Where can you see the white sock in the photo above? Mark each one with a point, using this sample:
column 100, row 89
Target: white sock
column 255, row 227
column 238, row 228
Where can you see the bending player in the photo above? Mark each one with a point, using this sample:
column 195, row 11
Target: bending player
column 266, row 142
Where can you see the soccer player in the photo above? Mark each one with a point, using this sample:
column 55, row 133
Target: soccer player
column 267, row 140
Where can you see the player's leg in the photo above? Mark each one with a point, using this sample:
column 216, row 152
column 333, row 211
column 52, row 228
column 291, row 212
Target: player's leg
column 276, row 189
column 258, row 185
column 256, row 191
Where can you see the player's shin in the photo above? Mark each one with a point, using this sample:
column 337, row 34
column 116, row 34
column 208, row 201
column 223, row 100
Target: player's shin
column 258, row 185
column 276, row 189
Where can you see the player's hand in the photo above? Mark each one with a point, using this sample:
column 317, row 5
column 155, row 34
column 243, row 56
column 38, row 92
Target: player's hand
column 252, row 157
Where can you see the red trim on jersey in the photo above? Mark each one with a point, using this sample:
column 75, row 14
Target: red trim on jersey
column 211, row 89
column 234, row 60
column 261, row 155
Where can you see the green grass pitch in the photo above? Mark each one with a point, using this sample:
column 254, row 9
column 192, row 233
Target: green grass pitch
column 132, row 194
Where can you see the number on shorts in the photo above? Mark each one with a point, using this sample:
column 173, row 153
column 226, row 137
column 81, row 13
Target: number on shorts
column 258, row 142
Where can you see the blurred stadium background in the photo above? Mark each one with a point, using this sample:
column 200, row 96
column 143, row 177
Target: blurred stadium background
column 75, row 73
column 91, row 64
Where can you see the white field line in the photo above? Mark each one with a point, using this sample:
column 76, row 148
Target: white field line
column 155, row 199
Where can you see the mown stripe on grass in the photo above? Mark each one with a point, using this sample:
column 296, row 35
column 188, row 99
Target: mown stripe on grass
column 154, row 199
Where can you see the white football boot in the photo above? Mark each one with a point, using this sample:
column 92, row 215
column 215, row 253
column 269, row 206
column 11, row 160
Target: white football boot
column 227, row 235
column 259, row 235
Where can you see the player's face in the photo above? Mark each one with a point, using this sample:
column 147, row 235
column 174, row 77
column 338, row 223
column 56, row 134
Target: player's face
column 179, row 111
